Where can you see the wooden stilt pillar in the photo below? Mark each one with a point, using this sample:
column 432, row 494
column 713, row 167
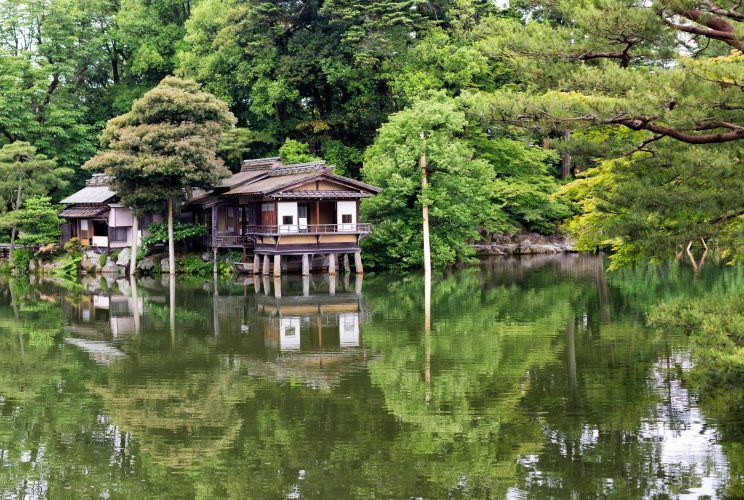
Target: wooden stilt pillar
column 347, row 268
column 358, row 284
column 266, row 265
column 256, row 264
column 277, row 265
column 266, row 285
column 358, row 263
column 332, row 284
column 305, row 264
column 214, row 260
column 277, row 286
column 306, row 286
column 332, row 264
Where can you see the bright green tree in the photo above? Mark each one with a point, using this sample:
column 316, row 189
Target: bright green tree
column 25, row 173
column 458, row 195
column 37, row 221
column 164, row 145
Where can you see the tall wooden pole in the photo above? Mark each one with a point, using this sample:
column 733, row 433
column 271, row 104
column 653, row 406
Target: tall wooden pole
column 171, row 243
column 427, row 271
column 133, row 258
column 425, row 210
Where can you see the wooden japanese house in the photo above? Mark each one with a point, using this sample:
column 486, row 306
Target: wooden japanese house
column 272, row 210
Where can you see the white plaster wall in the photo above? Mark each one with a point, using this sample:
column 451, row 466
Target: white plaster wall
column 346, row 208
column 287, row 208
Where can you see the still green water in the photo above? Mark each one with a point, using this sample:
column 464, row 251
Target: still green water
column 537, row 379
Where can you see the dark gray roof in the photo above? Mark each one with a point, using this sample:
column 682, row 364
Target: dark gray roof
column 83, row 212
column 320, row 193
column 91, row 194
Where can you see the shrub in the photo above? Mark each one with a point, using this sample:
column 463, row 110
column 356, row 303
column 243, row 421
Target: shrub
column 194, row 266
column 70, row 267
column 20, row 260
column 102, row 259
column 74, row 246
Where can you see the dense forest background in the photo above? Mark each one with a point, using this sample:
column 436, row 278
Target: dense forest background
column 621, row 121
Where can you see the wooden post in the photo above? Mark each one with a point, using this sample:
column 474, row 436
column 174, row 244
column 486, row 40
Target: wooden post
column 332, row 264
column 171, row 243
column 425, row 210
column 358, row 267
column 277, row 286
column 277, row 265
column 214, row 261
column 332, row 284
column 305, row 264
column 306, row 286
column 266, row 265
column 133, row 258
column 347, row 268
column 256, row 263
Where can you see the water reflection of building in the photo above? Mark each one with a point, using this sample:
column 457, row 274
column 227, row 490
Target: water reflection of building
column 308, row 323
column 315, row 339
column 103, row 311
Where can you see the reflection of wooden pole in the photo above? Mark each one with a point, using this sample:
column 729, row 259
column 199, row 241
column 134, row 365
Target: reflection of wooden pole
column 172, row 294
column 427, row 335
column 571, row 355
column 425, row 210
column 215, row 307
column 135, row 297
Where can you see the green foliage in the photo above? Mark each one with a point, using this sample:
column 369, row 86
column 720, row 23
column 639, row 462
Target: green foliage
column 716, row 327
column 158, row 232
column 166, row 143
column 37, row 221
column 48, row 252
column 193, row 265
column 293, row 151
column 102, row 259
column 68, row 268
column 459, row 192
column 20, row 260
column 74, row 246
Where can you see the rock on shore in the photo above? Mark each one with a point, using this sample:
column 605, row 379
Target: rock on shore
column 524, row 244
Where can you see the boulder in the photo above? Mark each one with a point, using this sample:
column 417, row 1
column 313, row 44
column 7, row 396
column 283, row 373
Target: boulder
column 89, row 264
column 124, row 257
column 110, row 267
column 164, row 265
column 206, row 256
column 150, row 262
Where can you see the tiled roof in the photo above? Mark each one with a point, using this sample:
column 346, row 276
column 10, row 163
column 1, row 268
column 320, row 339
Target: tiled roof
column 320, row 193
column 260, row 164
column 242, row 177
column 83, row 212
column 90, row 194
column 271, row 183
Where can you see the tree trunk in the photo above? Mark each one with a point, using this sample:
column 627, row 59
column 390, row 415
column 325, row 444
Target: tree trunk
column 133, row 258
column 425, row 211
column 13, row 231
column 566, row 157
column 171, row 243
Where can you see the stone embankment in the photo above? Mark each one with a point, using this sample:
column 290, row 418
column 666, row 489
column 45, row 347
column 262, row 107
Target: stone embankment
column 524, row 244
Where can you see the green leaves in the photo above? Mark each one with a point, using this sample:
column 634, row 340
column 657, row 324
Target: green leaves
column 167, row 143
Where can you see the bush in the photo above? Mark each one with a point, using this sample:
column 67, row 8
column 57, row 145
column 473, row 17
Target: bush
column 70, row 267
column 158, row 232
column 102, row 259
column 20, row 260
column 193, row 265
column 74, row 246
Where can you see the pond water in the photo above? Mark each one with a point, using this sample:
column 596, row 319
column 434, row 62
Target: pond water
column 537, row 378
